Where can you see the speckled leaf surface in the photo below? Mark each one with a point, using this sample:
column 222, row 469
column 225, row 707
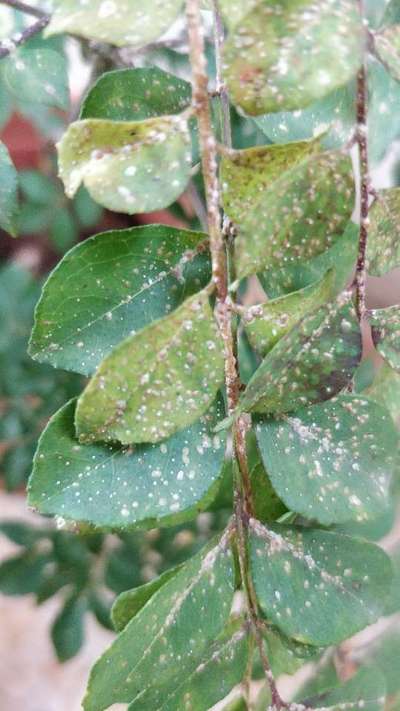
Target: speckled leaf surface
column 285, row 55
column 366, row 690
column 332, row 462
column 165, row 639
column 387, row 47
column 111, row 286
column 8, row 192
column 385, row 324
column 290, row 203
column 286, row 655
column 341, row 257
column 130, row 602
column 312, row 363
column 222, row 667
column 135, row 95
column 157, row 381
column 317, row 586
column 118, row 22
column 383, row 251
column 114, row 487
column 127, row 166
column 266, row 323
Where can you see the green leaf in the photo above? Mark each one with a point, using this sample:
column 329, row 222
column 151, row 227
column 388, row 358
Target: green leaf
column 266, row 323
column 287, row 55
column 111, row 286
column 67, row 631
column 135, row 95
column 383, row 656
column 332, row 462
column 387, row 48
column 131, row 167
column 312, row 363
column 113, row 487
column 38, row 188
column 141, row 666
column 130, row 602
column 20, row 533
column 38, row 72
column 157, row 381
column 101, row 610
column 8, row 192
column 341, row 257
column 365, row 690
column 385, row 325
column 22, row 574
column 126, row 22
column 63, row 232
column 392, row 13
column 285, row 655
column 86, row 210
column 386, row 390
column 383, row 250
column 317, row 586
column 278, row 194
column 220, row 669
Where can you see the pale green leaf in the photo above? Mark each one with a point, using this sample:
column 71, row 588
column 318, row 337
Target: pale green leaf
column 385, row 325
column 289, row 202
column 135, row 95
column 8, row 192
column 311, row 363
column 317, row 586
column 115, row 487
column 387, row 47
column 131, row 167
column 383, row 655
column 383, row 248
column 266, row 323
column 164, row 643
column 332, row 462
column 366, row 690
column 111, row 286
column 130, row 602
column 386, row 390
column 118, row 22
column 157, row 381
column 287, row 55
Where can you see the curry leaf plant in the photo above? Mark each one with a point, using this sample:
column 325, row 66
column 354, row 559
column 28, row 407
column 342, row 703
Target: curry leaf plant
column 164, row 320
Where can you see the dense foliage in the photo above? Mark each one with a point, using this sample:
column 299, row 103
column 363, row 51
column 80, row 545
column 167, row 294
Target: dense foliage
column 258, row 416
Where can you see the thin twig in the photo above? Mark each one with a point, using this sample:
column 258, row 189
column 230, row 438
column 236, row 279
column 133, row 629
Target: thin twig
column 362, row 141
column 8, row 46
column 23, row 7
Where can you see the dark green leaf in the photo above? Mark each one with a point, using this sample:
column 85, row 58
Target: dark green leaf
column 266, row 323
column 130, row 167
column 141, row 667
column 67, row 632
column 101, row 610
column 155, row 382
column 312, row 363
column 112, row 285
column 20, row 533
column 63, row 232
column 316, row 586
column 278, row 194
column 386, row 334
column 112, row 487
column 287, row 55
column 332, row 462
column 128, row 604
column 8, row 192
column 130, row 22
column 135, row 95
column 86, row 210
column 23, row 574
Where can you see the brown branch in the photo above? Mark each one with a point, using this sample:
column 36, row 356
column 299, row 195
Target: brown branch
column 8, row 46
column 362, row 141
column 23, row 7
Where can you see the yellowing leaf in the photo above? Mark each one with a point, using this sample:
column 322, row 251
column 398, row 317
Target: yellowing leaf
column 127, row 166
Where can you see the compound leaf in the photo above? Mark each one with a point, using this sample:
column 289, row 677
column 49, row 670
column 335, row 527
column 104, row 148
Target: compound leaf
column 383, row 250
column 113, row 487
column 286, row 55
column 111, row 286
column 312, row 363
column 166, row 630
column 125, row 22
column 127, row 166
column 332, row 462
column 157, row 381
column 290, row 203
column 385, row 325
column 266, row 323
column 317, row 586
column 136, row 95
